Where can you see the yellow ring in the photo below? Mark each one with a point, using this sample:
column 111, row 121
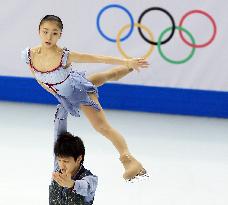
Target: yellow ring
column 136, row 25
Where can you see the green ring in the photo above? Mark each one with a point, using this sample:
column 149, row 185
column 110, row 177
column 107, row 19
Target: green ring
column 168, row 59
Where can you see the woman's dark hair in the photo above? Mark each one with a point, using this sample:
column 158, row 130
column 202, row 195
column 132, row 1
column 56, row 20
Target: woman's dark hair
column 52, row 18
column 68, row 145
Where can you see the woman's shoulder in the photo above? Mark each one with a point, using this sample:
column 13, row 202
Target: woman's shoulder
column 25, row 55
column 31, row 50
column 36, row 49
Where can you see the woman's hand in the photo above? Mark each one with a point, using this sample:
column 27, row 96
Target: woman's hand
column 137, row 63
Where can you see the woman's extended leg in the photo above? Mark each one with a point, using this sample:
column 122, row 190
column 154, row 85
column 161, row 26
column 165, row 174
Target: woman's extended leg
column 100, row 124
column 113, row 74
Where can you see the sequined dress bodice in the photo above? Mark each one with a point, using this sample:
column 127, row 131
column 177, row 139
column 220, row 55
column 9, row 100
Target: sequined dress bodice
column 71, row 87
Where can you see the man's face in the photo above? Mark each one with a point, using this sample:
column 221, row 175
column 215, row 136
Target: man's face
column 69, row 165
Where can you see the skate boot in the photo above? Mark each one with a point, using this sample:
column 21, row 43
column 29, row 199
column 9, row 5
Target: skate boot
column 133, row 169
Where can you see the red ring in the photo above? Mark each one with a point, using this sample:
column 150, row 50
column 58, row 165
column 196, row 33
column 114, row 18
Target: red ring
column 212, row 21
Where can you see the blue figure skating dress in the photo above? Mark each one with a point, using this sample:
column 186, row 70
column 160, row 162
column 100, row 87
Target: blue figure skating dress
column 71, row 87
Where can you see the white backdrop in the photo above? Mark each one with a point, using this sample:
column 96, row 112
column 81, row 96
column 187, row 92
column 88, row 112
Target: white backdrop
column 207, row 69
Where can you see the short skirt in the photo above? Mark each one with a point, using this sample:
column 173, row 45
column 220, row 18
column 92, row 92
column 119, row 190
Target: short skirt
column 74, row 91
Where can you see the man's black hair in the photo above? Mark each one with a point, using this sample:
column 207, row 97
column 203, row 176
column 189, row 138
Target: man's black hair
column 68, row 145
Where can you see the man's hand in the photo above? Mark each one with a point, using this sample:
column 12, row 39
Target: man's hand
column 63, row 179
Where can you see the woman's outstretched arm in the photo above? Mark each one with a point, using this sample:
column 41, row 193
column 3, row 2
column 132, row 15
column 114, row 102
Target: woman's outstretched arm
column 90, row 58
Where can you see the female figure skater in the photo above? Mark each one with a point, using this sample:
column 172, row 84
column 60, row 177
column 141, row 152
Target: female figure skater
column 51, row 67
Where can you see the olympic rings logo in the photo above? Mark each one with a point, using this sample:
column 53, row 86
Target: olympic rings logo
column 160, row 40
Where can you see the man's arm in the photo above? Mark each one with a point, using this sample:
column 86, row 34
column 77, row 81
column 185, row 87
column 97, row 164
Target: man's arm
column 60, row 121
column 86, row 187
column 60, row 125
column 55, row 191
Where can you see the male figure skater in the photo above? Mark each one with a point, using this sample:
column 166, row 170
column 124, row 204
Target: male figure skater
column 71, row 184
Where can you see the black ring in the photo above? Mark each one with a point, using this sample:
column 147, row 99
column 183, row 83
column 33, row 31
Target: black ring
column 169, row 15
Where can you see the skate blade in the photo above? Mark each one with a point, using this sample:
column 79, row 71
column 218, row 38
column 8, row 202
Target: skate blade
column 141, row 176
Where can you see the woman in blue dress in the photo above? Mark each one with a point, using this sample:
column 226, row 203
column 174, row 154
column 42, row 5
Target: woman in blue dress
column 51, row 67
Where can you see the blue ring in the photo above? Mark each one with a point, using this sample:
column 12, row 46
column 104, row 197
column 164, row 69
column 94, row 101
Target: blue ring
column 122, row 8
